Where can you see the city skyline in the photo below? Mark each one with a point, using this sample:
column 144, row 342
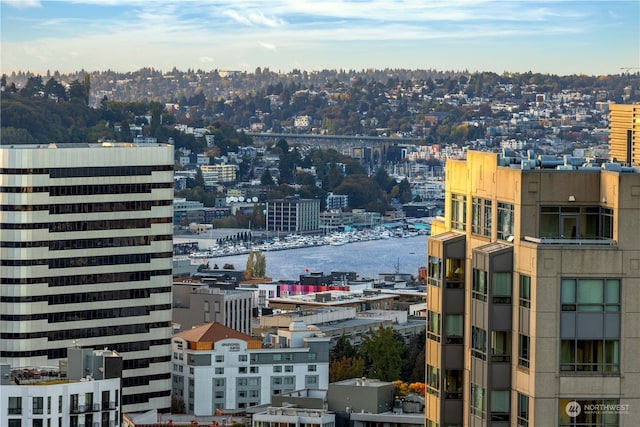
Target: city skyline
column 557, row 37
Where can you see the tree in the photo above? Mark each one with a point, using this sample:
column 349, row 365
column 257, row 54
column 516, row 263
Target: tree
column 343, row 348
column 260, row 266
column 383, row 354
column 266, row 178
column 250, row 266
column 199, row 179
column 345, row 368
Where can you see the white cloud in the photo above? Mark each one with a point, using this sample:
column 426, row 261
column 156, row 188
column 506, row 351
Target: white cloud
column 23, row 4
column 268, row 46
column 206, row 59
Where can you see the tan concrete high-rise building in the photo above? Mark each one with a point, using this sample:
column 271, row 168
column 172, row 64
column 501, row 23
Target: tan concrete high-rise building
column 624, row 133
column 86, row 259
column 533, row 295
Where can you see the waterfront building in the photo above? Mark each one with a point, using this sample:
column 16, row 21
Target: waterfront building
column 293, row 215
column 533, row 289
column 86, row 255
column 88, row 394
column 187, row 212
column 215, row 367
column 624, row 133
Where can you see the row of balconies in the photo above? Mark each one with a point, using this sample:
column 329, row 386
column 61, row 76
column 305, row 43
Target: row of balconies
column 96, row 407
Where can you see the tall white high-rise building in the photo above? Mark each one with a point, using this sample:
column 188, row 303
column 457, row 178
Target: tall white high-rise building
column 86, row 258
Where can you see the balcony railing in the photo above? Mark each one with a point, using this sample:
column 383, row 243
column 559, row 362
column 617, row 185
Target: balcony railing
column 572, row 242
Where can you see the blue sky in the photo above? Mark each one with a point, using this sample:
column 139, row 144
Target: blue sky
column 560, row 37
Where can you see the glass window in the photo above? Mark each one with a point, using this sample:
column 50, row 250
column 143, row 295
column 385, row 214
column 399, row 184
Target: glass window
column 458, row 211
column 455, row 273
column 433, row 325
column 505, row 221
column 453, row 384
column 277, row 368
column 277, row 356
column 523, row 410
column 478, row 403
column 590, row 295
column 15, row 405
column 454, row 327
column 500, row 346
column 38, row 405
column 525, row 291
column 479, row 290
column 219, row 359
column 242, row 358
column 500, row 405
column 435, row 271
column 219, row 371
column 590, row 355
column 479, row 343
column 481, row 216
column 433, row 380
column 523, row 350
column 501, row 288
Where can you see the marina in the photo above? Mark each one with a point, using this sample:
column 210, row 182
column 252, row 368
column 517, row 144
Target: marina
column 368, row 258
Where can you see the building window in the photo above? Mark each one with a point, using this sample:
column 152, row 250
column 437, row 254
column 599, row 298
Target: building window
column 38, row 405
column 435, row 271
column 479, row 343
column 500, row 405
column 18, row 422
column 219, row 359
column 505, row 221
column 523, row 350
column 433, row 325
column 242, row 370
column 312, row 356
column 523, row 410
column 525, row 291
column 500, row 346
column 311, row 368
column 481, row 216
column 501, row 288
column 455, row 273
column 479, row 290
column 453, row 384
column 15, row 405
column 478, row 401
column 218, row 382
column 288, row 368
column 590, row 355
column 576, row 222
column 458, row 211
column 454, row 327
column 253, row 369
column 242, row 358
column 592, row 413
column 277, row 357
column 219, row 371
column 277, row 368
column 433, row 380
column 590, row 295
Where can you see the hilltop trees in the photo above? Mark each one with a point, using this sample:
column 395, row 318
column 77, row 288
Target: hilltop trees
column 383, row 354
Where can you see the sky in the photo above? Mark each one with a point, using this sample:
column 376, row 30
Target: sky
column 558, row 37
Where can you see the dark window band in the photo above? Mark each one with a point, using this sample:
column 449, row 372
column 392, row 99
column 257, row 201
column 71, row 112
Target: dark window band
column 85, row 172
column 106, row 242
column 88, row 279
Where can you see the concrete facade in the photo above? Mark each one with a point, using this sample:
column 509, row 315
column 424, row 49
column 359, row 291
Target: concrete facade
column 533, row 292
column 86, row 255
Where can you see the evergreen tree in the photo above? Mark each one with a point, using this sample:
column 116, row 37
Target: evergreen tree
column 383, row 354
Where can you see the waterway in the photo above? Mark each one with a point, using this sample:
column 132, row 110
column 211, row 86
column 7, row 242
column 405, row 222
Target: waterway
column 367, row 259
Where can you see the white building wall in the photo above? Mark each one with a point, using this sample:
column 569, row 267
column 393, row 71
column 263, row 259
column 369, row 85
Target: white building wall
column 29, row 274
